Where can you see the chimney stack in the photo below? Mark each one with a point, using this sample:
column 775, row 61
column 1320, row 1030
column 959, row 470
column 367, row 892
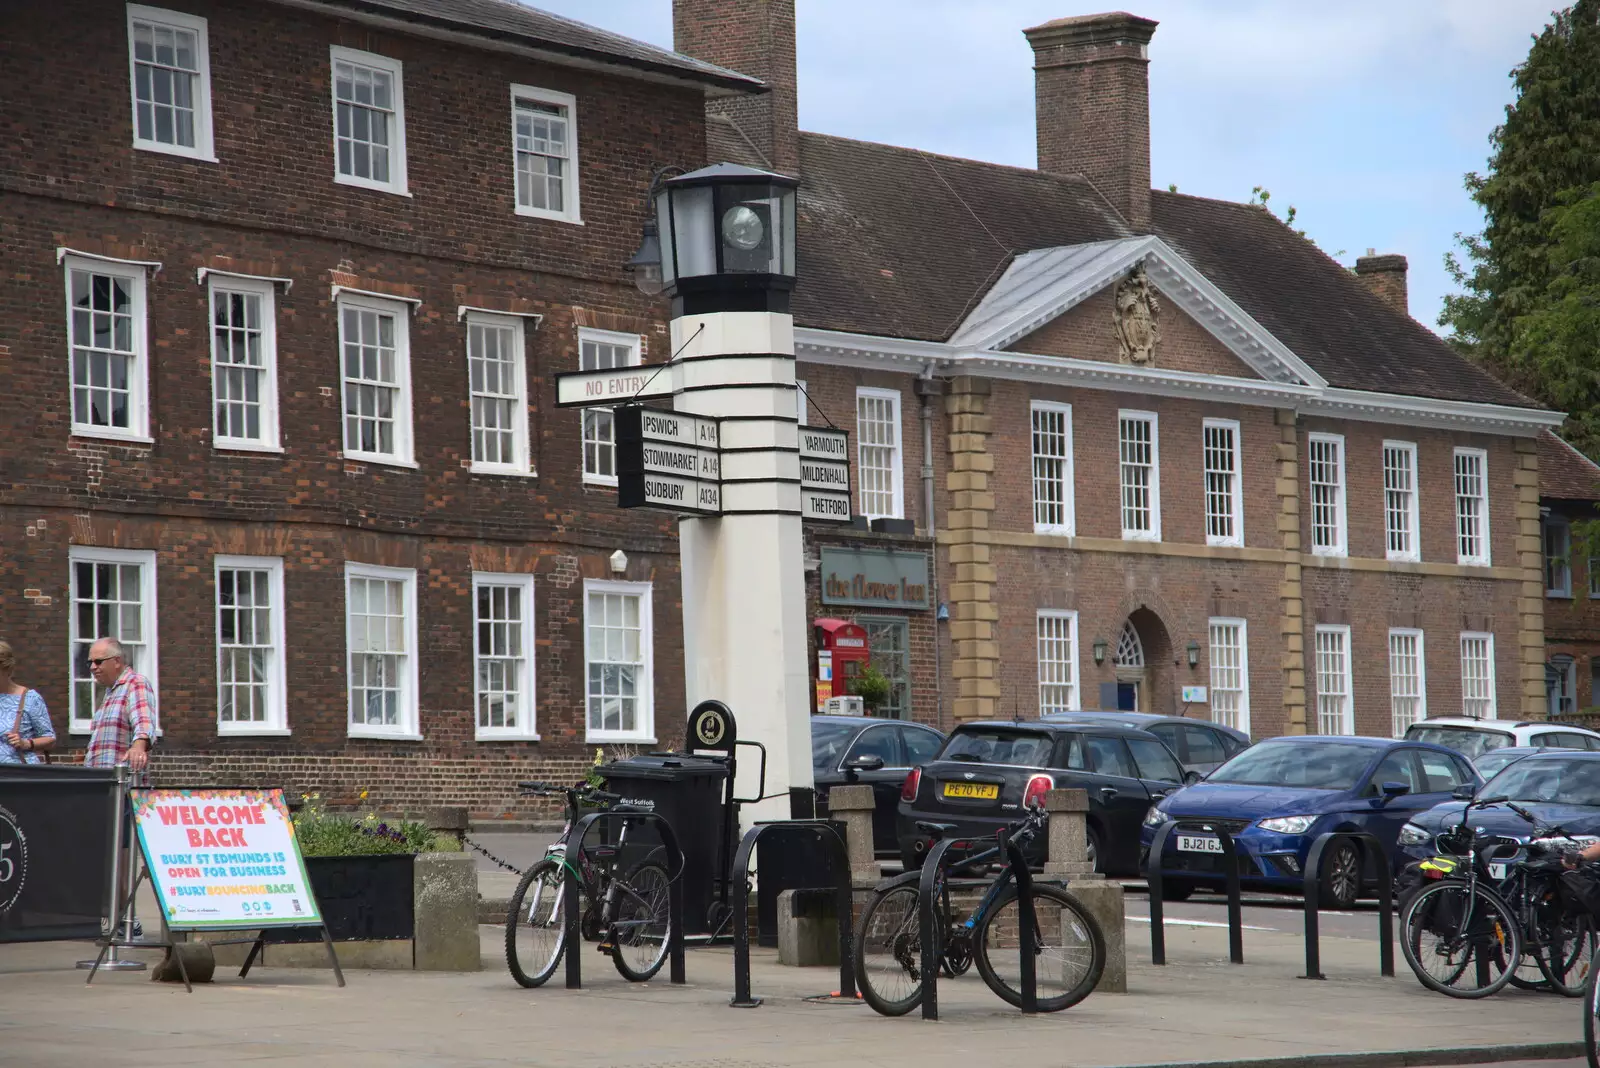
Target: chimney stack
column 1092, row 105
column 1385, row 276
column 754, row 37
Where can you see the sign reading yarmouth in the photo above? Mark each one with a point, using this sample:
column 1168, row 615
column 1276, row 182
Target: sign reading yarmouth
column 224, row 858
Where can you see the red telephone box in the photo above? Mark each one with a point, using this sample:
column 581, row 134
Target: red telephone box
column 842, row 654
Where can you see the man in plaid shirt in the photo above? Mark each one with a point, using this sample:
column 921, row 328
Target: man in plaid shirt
column 125, row 726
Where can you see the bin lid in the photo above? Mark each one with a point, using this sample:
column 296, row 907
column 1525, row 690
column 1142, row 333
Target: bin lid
column 665, row 766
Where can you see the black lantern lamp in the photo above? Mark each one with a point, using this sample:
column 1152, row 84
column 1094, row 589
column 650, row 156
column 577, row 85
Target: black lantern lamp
column 1193, row 649
column 726, row 236
column 1100, row 648
column 646, row 263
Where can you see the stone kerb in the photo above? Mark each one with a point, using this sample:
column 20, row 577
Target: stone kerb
column 1067, row 861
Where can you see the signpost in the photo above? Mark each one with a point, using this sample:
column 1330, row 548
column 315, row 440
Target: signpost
column 668, row 460
column 824, row 475
column 614, row 385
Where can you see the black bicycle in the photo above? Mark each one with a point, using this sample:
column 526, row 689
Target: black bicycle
column 628, row 914
column 1069, row 947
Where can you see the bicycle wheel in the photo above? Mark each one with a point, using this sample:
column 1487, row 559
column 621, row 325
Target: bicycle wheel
column 643, row 922
column 888, row 952
column 1591, row 1026
column 1069, row 950
column 535, row 936
column 1566, row 956
column 1462, row 944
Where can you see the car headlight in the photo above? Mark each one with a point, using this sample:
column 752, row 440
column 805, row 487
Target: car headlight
column 1289, row 824
column 1155, row 817
column 1412, row 835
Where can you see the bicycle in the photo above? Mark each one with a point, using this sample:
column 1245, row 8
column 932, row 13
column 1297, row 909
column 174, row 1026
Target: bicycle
column 627, row 915
column 888, row 948
column 1591, row 1018
column 1560, row 939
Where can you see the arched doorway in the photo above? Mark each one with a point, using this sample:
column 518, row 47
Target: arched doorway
column 1143, row 664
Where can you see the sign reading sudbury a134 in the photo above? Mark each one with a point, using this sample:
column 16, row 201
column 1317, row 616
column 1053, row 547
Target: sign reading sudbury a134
column 668, row 460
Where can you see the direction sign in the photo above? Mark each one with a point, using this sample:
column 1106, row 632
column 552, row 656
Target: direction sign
column 668, row 460
column 669, row 492
column 614, row 385
column 824, row 475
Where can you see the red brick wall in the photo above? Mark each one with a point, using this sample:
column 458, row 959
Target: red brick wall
column 1087, row 332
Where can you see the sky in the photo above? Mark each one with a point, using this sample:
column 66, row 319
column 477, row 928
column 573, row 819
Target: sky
column 1363, row 114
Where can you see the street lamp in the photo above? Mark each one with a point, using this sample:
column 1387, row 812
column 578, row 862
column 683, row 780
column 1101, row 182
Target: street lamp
column 1193, row 649
column 1100, row 651
column 726, row 237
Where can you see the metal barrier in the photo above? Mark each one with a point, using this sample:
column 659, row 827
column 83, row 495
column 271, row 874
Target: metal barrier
column 1153, row 879
column 573, row 922
column 928, row 917
column 826, row 831
column 1367, row 847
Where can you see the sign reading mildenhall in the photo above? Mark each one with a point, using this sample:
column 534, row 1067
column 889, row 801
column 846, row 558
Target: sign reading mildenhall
column 875, row 578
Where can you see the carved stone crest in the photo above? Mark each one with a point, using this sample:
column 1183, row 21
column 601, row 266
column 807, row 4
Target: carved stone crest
column 1135, row 319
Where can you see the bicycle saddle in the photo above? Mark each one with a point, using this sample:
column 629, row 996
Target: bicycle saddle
column 936, row 830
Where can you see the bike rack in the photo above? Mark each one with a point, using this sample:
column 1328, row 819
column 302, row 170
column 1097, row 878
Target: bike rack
column 1153, row 879
column 928, row 921
column 1313, row 878
column 569, row 906
column 843, row 902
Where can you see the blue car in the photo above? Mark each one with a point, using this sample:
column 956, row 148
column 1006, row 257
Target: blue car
column 1559, row 787
column 1277, row 797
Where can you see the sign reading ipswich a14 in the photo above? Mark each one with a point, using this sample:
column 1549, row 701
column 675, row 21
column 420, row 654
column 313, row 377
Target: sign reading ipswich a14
column 824, row 475
column 668, row 460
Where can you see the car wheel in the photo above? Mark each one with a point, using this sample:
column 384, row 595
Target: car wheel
column 1091, row 849
column 1340, row 881
column 1176, row 890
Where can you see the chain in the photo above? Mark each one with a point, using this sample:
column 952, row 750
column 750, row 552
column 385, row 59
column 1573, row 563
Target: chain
column 504, row 864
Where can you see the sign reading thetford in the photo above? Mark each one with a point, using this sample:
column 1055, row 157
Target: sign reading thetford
column 824, row 475
column 668, row 460
column 875, row 578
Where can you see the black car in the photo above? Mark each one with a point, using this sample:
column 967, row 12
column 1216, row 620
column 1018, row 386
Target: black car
column 874, row 752
column 1199, row 745
column 987, row 773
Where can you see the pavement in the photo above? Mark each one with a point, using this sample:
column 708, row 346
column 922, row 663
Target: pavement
column 1197, row 1010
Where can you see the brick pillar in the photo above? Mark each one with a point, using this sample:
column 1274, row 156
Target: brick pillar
column 1530, row 558
column 1291, row 600
column 972, row 608
column 1385, row 278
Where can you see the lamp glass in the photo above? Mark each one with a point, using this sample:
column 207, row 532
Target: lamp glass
column 1194, row 653
column 693, row 241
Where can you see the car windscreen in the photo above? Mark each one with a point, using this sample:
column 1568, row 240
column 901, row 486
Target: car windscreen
column 1492, row 764
column 1313, row 765
column 996, row 745
column 1468, row 741
column 1563, row 782
column 828, row 741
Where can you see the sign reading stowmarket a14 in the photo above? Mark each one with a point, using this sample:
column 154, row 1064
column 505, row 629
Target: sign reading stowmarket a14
column 668, row 460
column 824, row 475
column 224, row 858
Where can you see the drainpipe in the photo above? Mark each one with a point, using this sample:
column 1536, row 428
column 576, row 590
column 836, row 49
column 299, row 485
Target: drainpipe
column 927, row 389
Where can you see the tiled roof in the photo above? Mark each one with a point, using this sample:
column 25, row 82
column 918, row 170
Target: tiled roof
column 517, row 23
column 1564, row 472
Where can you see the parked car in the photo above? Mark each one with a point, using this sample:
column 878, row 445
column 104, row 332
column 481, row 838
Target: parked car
column 1199, row 745
column 1558, row 786
column 1494, row 761
column 874, row 752
column 1474, row 737
column 987, row 773
column 1276, row 797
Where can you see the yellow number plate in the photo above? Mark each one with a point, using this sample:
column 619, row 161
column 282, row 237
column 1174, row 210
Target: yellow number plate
column 980, row 790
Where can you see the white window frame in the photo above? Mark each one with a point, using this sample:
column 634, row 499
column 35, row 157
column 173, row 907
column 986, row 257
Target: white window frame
column 1488, row 639
column 138, row 428
column 1236, row 490
column 408, row 728
column 635, row 346
column 1556, row 524
column 527, row 728
column 1397, row 728
column 569, row 188
column 397, row 183
column 521, row 463
column 1068, row 525
column 1411, row 512
column 645, row 688
column 277, row 703
column 1565, row 668
column 1075, row 685
column 1243, row 714
column 1347, row 712
column 79, row 720
column 204, row 146
column 1483, row 557
column 1341, row 545
column 1154, row 533
column 897, row 465
column 268, row 441
column 402, row 455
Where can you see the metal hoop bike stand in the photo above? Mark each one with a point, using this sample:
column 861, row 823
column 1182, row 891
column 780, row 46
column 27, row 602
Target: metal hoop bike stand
column 572, row 921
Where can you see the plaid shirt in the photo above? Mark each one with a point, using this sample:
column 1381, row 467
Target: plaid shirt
column 127, row 714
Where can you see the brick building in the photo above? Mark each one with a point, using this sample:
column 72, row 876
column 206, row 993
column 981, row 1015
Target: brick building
column 286, row 285
column 1161, row 452
column 1569, row 505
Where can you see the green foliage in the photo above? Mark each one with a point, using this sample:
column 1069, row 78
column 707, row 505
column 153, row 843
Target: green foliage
column 342, row 834
column 1259, row 195
column 872, row 686
column 1530, row 281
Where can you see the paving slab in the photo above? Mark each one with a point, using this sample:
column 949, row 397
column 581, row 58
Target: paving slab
column 1197, row 1010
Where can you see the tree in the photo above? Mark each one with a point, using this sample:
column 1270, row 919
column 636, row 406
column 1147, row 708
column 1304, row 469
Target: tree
column 1531, row 279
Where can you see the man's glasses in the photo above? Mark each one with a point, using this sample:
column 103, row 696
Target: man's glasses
column 94, row 662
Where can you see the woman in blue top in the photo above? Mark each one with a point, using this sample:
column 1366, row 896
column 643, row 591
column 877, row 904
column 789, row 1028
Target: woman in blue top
column 25, row 732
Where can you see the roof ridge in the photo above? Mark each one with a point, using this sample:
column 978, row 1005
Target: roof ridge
column 1076, row 179
column 1570, row 447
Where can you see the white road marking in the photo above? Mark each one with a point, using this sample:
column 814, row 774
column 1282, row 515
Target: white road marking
column 1198, row 923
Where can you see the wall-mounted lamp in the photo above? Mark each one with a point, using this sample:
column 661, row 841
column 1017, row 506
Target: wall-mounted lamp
column 619, row 562
column 1100, row 648
column 943, row 613
column 1193, row 649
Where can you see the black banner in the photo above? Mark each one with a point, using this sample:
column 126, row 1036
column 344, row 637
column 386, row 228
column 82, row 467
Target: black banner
column 56, row 826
